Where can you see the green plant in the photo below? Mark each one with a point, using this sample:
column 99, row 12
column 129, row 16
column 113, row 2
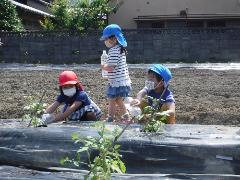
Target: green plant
column 80, row 15
column 152, row 118
column 9, row 20
column 108, row 160
column 60, row 9
column 34, row 109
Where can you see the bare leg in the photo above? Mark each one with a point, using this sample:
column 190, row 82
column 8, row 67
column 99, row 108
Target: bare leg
column 111, row 107
column 122, row 107
column 90, row 116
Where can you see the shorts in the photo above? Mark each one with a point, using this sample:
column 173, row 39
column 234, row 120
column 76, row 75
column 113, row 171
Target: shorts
column 121, row 91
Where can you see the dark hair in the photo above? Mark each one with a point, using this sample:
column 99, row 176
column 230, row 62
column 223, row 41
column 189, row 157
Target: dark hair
column 123, row 49
column 158, row 77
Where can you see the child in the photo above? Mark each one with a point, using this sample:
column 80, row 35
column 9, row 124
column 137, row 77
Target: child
column 157, row 87
column 77, row 104
column 119, row 83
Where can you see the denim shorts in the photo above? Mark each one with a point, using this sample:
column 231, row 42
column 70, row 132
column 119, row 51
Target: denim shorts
column 121, row 91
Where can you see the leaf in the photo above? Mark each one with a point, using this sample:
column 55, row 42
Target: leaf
column 122, row 166
column 82, row 149
column 115, row 167
column 76, row 163
column 117, row 146
column 86, row 177
column 75, row 136
column 64, row 161
column 140, row 117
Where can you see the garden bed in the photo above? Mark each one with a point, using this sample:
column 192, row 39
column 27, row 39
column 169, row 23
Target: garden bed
column 178, row 149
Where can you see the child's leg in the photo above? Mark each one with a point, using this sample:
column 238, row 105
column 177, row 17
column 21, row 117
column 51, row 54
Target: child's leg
column 87, row 113
column 125, row 118
column 90, row 116
column 120, row 103
column 111, row 108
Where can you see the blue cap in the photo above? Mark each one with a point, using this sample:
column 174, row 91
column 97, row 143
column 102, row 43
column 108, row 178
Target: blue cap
column 114, row 29
column 163, row 71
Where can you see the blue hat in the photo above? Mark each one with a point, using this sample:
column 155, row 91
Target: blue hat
column 163, row 71
column 114, row 29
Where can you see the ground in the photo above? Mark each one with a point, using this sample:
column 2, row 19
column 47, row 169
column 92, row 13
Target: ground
column 202, row 96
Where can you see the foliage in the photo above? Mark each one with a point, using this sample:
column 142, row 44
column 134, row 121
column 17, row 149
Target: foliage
column 108, row 160
column 9, row 20
column 34, row 109
column 62, row 17
column 152, row 117
column 78, row 15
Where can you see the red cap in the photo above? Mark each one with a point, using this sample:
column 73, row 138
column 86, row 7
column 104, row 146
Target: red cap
column 68, row 77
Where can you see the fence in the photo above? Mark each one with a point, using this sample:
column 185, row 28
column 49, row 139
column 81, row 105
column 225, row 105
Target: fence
column 144, row 46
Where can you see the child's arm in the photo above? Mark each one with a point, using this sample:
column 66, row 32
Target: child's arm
column 52, row 107
column 169, row 108
column 107, row 67
column 140, row 96
column 113, row 59
column 48, row 117
column 69, row 110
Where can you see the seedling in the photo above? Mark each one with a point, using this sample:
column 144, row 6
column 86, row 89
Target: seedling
column 108, row 160
column 151, row 117
column 35, row 108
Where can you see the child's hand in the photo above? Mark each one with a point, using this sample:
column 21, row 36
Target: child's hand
column 165, row 113
column 135, row 102
column 47, row 119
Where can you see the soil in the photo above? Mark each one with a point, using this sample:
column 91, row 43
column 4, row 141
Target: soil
column 202, row 96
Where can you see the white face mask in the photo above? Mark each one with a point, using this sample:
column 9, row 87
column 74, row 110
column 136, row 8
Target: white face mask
column 149, row 84
column 108, row 44
column 69, row 92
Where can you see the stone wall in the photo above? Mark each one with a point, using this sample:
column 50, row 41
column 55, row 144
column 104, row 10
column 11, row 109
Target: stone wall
column 144, row 46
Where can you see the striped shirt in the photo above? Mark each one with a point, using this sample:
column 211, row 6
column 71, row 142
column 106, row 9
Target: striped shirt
column 120, row 75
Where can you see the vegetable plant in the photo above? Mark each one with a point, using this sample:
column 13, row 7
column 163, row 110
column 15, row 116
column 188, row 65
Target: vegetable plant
column 34, row 109
column 152, row 118
column 108, row 159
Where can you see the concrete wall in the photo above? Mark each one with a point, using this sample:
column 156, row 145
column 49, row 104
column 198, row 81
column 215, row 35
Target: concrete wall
column 131, row 9
column 144, row 46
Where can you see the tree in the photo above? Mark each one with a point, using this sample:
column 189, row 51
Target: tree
column 61, row 11
column 78, row 15
column 9, row 20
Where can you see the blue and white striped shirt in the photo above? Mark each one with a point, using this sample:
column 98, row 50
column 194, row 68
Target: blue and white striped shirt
column 120, row 75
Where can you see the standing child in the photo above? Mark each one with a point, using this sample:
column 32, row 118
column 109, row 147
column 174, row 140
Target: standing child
column 157, row 87
column 119, row 83
column 77, row 104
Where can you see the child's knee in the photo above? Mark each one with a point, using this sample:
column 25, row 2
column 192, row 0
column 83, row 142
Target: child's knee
column 91, row 116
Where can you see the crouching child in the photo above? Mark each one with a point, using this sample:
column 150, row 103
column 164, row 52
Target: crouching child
column 78, row 106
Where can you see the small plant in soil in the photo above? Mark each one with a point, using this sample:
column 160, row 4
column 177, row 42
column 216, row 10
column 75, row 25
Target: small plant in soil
column 152, row 118
column 108, row 159
column 34, row 110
